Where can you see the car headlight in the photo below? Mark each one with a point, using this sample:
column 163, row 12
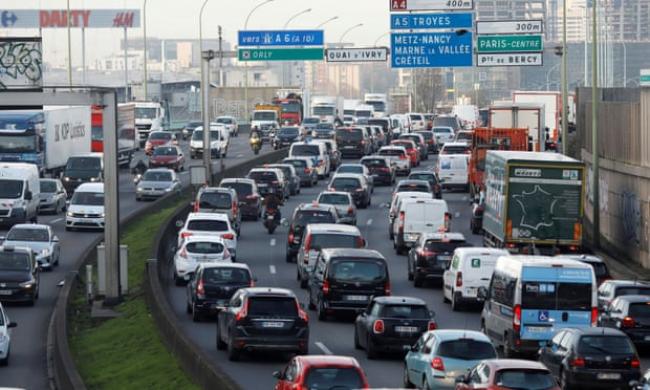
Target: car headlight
column 66, row 178
column 102, row 215
column 69, row 214
column 139, row 189
column 169, row 189
column 28, row 284
column 93, row 179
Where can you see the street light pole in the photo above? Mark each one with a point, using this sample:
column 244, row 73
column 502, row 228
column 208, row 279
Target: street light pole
column 333, row 18
column 206, row 57
column 372, row 73
column 144, row 25
column 205, row 2
column 565, row 92
column 595, row 185
column 69, row 47
column 284, row 28
column 347, row 31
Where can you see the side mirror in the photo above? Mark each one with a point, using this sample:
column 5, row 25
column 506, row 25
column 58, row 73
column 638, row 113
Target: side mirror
column 277, row 375
column 28, row 195
column 180, row 223
column 54, row 239
column 482, row 293
column 12, row 325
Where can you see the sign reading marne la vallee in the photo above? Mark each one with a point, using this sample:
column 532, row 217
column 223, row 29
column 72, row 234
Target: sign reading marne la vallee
column 357, row 54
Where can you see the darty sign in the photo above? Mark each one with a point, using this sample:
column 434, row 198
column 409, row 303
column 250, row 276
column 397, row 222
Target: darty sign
column 79, row 18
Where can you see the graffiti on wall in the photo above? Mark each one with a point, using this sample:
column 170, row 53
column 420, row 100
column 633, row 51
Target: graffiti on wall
column 21, row 63
column 603, row 190
column 236, row 108
column 631, row 217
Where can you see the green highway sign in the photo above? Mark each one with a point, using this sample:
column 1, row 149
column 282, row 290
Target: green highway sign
column 509, row 43
column 644, row 80
column 282, row 54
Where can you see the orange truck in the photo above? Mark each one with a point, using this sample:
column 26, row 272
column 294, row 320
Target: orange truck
column 484, row 139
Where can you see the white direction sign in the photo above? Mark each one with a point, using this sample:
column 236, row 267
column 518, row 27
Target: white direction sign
column 509, row 27
column 357, row 54
column 430, row 5
column 513, row 59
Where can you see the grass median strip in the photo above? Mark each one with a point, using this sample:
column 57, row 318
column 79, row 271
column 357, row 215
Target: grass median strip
column 126, row 352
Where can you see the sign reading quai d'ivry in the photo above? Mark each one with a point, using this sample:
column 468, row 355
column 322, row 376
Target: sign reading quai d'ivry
column 357, row 54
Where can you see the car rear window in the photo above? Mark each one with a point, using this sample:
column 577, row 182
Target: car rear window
column 333, row 378
column 334, row 199
column 322, row 241
column 621, row 291
column 391, row 152
column 605, row 345
column 345, row 183
column 215, row 200
column 427, row 135
column 423, row 176
column 413, row 188
column 525, row 379
column 242, row 189
column 272, row 307
column 453, row 163
column 456, row 149
column 204, row 247
column 639, row 310
column 466, row 349
column 297, row 163
column 206, row 225
column 305, row 217
column 374, row 162
column 305, row 150
column 263, row 176
column 556, row 296
column 349, row 134
column 446, row 121
column 48, row 186
column 442, row 130
column 416, row 312
column 406, row 145
column 357, row 270
column 443, row 247
column 600, row 269
column 350, row 169
column 226, row 276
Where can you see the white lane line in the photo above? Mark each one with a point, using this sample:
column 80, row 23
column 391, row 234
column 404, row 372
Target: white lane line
column 52, row 222
column 323, row 348
column 272, row 242
column 184, row 173
column 239, row 156
column 272, row 269
column 369, row 222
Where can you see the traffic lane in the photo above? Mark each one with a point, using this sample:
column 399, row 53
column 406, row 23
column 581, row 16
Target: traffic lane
column 27, row 367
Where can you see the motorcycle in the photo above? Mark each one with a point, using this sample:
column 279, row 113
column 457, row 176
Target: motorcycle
column 256, row 144
column 137, row 178
column 271, row 221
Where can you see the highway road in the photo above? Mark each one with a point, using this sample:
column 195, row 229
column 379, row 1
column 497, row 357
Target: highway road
column 27, row 367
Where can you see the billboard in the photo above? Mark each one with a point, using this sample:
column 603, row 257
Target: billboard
column 79, row 18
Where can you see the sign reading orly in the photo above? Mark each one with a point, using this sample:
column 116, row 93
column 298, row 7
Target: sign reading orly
column 79, row 18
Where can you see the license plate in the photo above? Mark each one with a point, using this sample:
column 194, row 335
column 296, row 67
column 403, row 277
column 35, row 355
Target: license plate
column 270, row 218
column 6, row 292
column 262, row 185
column 537, row 329
column 604, row 375
column 356, row 298
column 444, row 258
column 406, row 329
column 647, row 338
column 272, row 324
column 348, row 147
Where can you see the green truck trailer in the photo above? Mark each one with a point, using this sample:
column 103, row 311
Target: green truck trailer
column 533, row 202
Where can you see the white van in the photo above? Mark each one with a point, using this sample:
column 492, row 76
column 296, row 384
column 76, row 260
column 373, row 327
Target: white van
column 470, row 269
column 418, row 216
column 396, row 203
column 317, row 151
column 219, row 141
column 20, row 190
column 86, row 208
column 452, row 169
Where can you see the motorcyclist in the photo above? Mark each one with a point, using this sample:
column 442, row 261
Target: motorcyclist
column 140, row 168
column 272, row 204
column 255, row 133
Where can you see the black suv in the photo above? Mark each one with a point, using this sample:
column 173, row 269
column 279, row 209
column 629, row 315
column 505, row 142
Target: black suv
column 431, row 255
column 305, row 214
column 380, row 168
column 432, row 178
column 353, row 141
column 630, row 314
column 268, row 181
column 261, row 318
column 344, row 280
column 19, row 275
column 213, row 284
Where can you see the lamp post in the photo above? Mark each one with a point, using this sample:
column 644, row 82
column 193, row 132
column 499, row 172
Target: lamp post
column 347, row 31
column 70, row 46
column 204, row 112
column 333, row 18
column 305, row 11
column 595, row 185
column 372, row 73
column 565, row 92
column 624, row 63
column 144, row 29
column 246, row 111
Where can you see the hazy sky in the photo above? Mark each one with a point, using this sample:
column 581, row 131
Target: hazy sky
column 179, row 19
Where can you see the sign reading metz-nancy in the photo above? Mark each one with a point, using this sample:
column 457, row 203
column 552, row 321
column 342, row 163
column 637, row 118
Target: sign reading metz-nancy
column 431, row 50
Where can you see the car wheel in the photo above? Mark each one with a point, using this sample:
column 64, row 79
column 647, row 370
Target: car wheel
column 220, row 344
column 5, row 362
column 288, row 258
column 425, row 384
column 233, row 353
column 455, row 303
column 188, row 307
column 357, row 344
column 417, row 280
column 196, row 314
column 508, row 352
column 405, row 380
column 177, row 280
column 311, row 305
column 322, row 315
column 564, row 381
column 371, row 351
column 409, row 272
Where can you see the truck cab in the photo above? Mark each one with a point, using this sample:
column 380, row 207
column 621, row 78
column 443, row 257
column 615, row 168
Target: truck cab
column 149, row 116
column 266, row 119
column 19, row 193
column 83, row 168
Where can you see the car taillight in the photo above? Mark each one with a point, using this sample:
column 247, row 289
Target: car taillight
column 387, row 288
column 577, row 362
column 432, row 325
column 326, row 287
column 196, row 207
column 331, row 189
column 459, row 279
column 228, row 236
column 308, row 243
column 628, row 322
column 402, row 157
column 185, row 234
column 447, row 221
column 290, row 238
column 363, row 142
column 437, row 364
column 252, row 197
column 307, row 171
column 516, row 319
column 401, row 221
column 378, row 327
column 234, row 208
column 200, row 289
column 360, row 242
column 594, row 316
column 243, row 312
column 350, row 211
column 426, row 253
column 183, row 253
column 635, row 363
column 301, row 313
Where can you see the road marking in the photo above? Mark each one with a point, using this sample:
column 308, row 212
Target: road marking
column 323, row 348
column 457, row 215
column 272, row 242
column 272, row 269
column 239, row 156
column 369, row 222
column 52, row 222
column 184, row 173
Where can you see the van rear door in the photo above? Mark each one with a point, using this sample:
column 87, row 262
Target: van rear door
column 421, row 216
column 477, row 270
column 452, row 169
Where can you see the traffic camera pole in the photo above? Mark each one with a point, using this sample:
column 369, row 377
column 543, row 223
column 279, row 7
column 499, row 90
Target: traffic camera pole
column 206, row 57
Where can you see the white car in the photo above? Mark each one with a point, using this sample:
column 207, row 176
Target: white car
column 443, row 134
column 398, row 157
column 210, row 224
column 196, row 250
column 317, row 151
column 86, row 208
column 5, row 336
column 40, row 239
column 230, row 123
column 219, row 141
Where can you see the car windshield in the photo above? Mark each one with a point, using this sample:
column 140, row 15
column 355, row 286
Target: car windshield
column 48, row 186
column 215, row 200
column 323, row 241
column 83, row 164
column 346, row 183
column 374, row 163
column 311, row 121
column 305, row 217
column 349, row 134
column 11, row 189
column 28, row 234
column 289, row 131
column 242, row 189
column 14, row 261
column 204, row 248
column 263, row 176
column 639, row 310
column 466, row 349
column 264, row 115
column 226, row 276
column 305, row 150
column 335, row 199
column 145, row 112
column 605, row 345
column 416, row 312
column 272, row 307
column 88, row 199
column 157, row 176
column 325, row 126
column 225, row 121
column 207, row 225
column 350, row 169
column 524, row 379
column 357, row 270
column 556, row 296
column 335, row 378
column 160, row 136
column 431, row 178
column 621, row 291
column 165, row 151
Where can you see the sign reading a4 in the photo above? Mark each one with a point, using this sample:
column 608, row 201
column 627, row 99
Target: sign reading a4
column 398, row 5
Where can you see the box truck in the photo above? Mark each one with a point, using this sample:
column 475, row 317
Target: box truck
column 127, row 142
column 521, row 116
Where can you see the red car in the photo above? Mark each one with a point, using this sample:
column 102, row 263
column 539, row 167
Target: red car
column 167, row 157
column 159, row 138
column 411, row 150
column 503, row 374
column 321, row 372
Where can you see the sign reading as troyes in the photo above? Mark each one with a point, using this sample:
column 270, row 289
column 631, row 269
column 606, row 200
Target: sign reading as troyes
column 250, row 38
column 21, row 62
column 56, row 18
column 430, row 5
column 357, row 54
column 431, row 50
column 430, row 21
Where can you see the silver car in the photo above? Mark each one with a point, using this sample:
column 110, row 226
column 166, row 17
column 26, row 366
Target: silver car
column 343, row 203
column 40, row 239
column 52, row 197
column 156, row 183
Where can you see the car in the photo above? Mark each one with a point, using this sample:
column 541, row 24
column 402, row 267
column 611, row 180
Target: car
column 53, row 196
column 86, row 208
column 429, row 117
column 466, row 136
column 431, row 256
column 611, row 289
column 219, row 142
column 348, row 120
column 40, row 239
column 599, row 266
column 286, row 136
column 353, row 141
column 381, row 169
column 195, row 250
column 417, row 121
column 470, row 269
column 5, row 336
column 167, row 157
column 441, row 355
column 303, row 215
column 456, row 148
column 399, row 157
column 344, row 204
column 419, row 141
column 317, row 151
column 395, row 205
column 19, row 275
column 592, row 358
column 261, row 318
column 449, row 121
column 507, row 374
column 344, row 280
column 413, row 185
column 321, row 372
column 250, row 200
column 219, row 200
column 429, row 140
column 323, row 131
column 290, row 174
column 319, row 236
column 269, row 180
column 189, row 128
column 412, row 150
column 416, row 218
column 332, row 151
column 209, row 224
column 443, row 134
column 310, row 122
column 432, row 178
column 230, row 123
column 83, row 168
column 358, row 169
column 157, row 139
column 453, row 171
column 378, row 137
column 630, row 314
column 156, row 183
column 356, row 185
column 304, row 169
column 390, row 323
column 212, row 284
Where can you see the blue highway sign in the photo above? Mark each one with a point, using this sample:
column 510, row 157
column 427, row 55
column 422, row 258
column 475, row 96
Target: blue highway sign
column 431, row 50
column 430, row 21
column 251, row 38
